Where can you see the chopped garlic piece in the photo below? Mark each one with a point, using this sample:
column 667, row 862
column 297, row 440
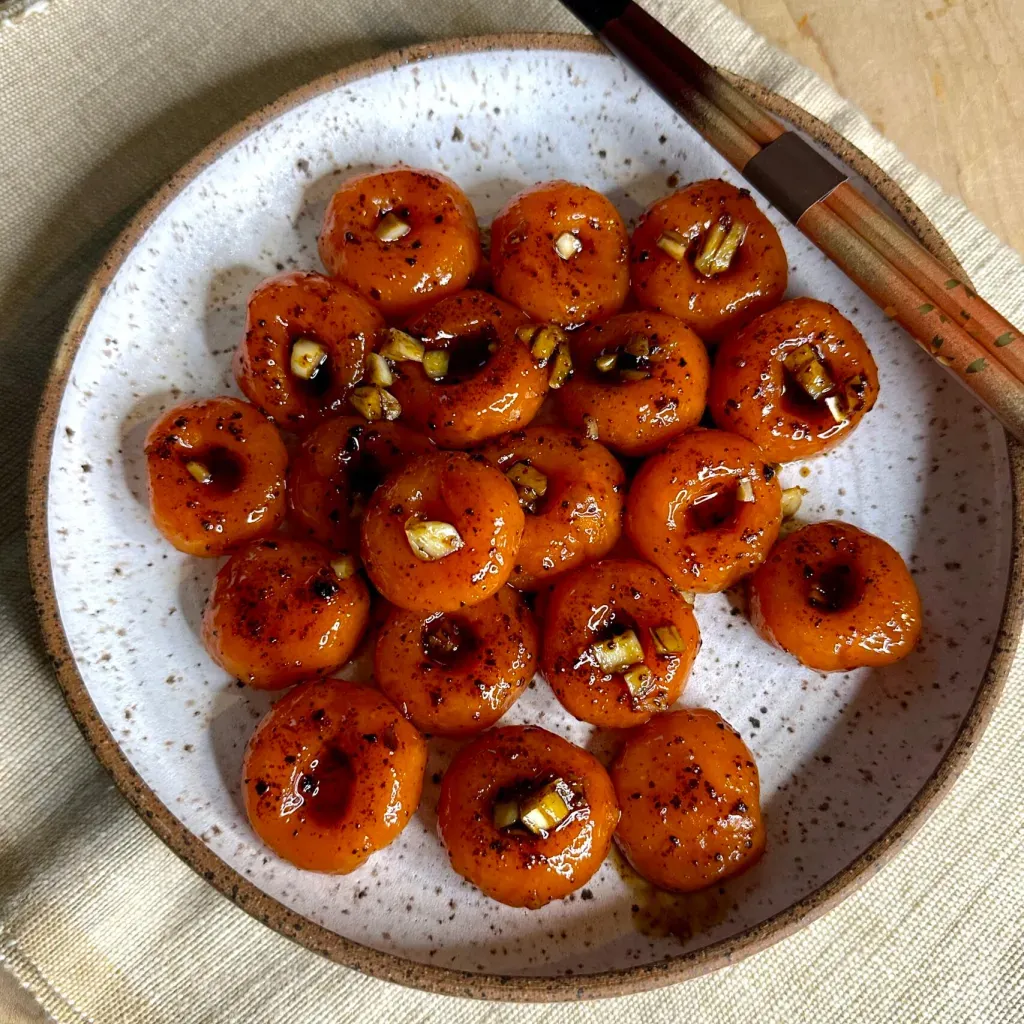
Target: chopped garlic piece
column 634, row 374
column 567, row 245
column 745, row 490
column 200, row 473
column 639, row 679
column 618, row 652
column 810, row 372
column 837, row 407
column 345, row 566
column 391, row 228
column 792, row 497
column 720, row 247
column 431, row 539
column 378, row 371
column 506, row 814
column 667, row 639
column 403, row 348
column 307, row 358
column 374, row 403
column 605, row 363
column 523, row 475
column 674, row 244
column 435, row 363
column 548, row 807
column 590, row 427
column 689, row 596
column 561, row 367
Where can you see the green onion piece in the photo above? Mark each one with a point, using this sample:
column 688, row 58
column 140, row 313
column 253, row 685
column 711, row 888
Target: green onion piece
column 673, row 244
column 506, row 814
column 522, row 474
column 809, row 371
column 618, row 653
column 548, row 807
column 374, row 403
column 378, row 370
column 639, row 679
column 667, row 639
column 792, row 497
column 401, row 347
column 435, row 363
column 720, row 247
column 561, row 367
column 200, row 473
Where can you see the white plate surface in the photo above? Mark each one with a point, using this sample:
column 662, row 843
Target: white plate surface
column 840, row 756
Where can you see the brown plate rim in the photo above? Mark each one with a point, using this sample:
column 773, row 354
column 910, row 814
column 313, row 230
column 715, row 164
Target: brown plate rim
column 393, row 967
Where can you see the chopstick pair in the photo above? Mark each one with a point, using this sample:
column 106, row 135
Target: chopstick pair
column 945, row 316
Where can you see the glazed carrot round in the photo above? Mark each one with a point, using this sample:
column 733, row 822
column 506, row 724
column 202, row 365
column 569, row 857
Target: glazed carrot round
column 306, row 338
column 492, row 382
column 336, row 469
column 561, row 252
column 332, row 774
column 279, row 612
column 501, row 774
column 216, row 475
column 442, row 534
column 795, row 381
column 401, row 237
column 690, row 798
column 573, row 493
column 836, row 598
column 455, row 674
column 677, row 267
column 706, row 510
column 619, row 642
column 638, row 380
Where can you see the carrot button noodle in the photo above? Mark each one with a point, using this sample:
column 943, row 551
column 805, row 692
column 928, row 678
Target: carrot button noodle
column 619, row 642
column 639, row 379
column 676, row 238
column 332, row 774
column 306, row 338
column 706, row 510
column 690, row 798
column 336, row 469
column 573, row 493
column 442, row 533
column 456, row 673
column 836, row 598
column 491, row 383
column 560, row 252
column 216, row 474
column 500, row 772
column 401, row 237
column 279, row 612
column 756, row 387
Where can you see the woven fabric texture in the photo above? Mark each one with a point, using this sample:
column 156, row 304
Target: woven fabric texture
column 100, row 101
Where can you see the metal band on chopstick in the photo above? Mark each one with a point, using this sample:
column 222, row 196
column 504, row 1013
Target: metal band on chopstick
column 792, row 175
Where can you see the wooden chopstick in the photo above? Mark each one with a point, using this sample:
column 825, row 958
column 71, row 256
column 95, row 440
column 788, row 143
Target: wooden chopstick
column 946, row 318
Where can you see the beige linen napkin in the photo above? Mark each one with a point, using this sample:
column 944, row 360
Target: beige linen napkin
column 100, row 100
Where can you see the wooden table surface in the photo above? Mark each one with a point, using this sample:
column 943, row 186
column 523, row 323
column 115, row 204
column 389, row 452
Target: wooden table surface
column 944, row 79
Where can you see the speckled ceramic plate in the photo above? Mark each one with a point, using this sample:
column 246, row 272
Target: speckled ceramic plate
column 849, row 763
